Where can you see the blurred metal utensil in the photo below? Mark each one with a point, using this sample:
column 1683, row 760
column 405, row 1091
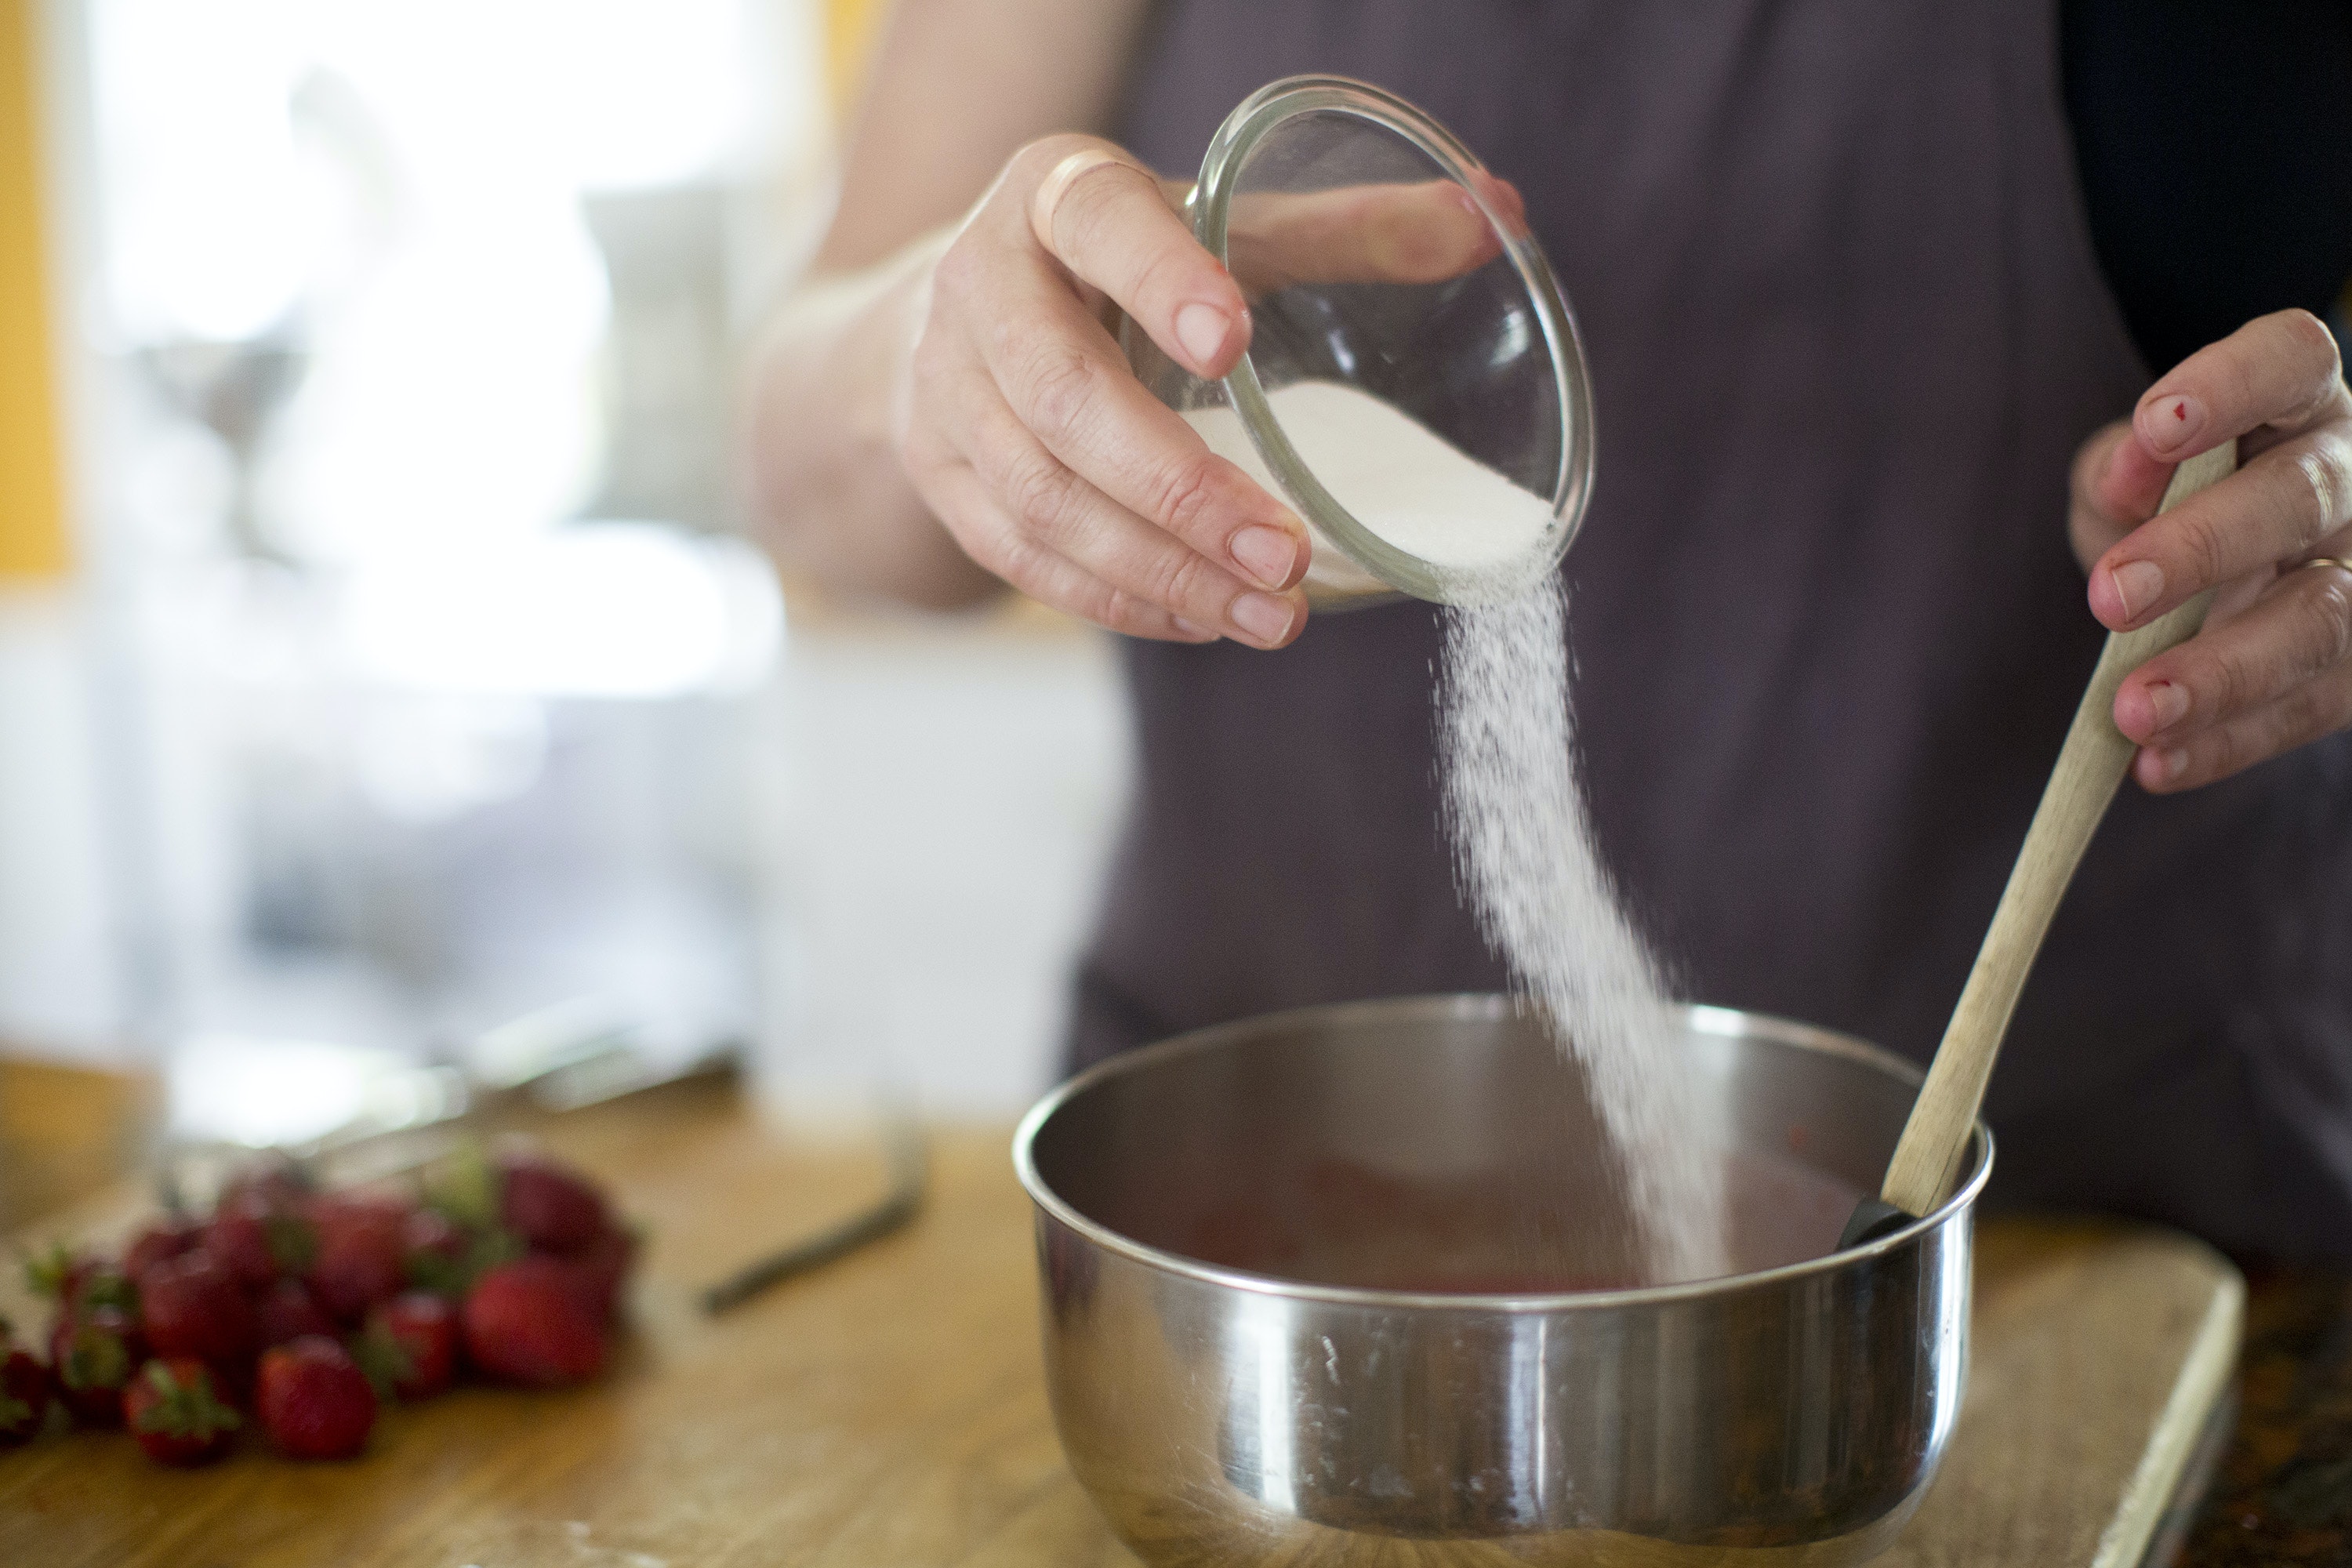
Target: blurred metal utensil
column 422, row 1112
column 909, row 1174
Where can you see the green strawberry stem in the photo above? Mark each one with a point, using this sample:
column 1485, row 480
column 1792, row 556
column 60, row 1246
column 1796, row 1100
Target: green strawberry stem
column 95, row 1359
column 185, row 1410
column 109, row 1289
column 385, row 1360
column 46, row 1273
column 292, row 1243
column 464, row 1187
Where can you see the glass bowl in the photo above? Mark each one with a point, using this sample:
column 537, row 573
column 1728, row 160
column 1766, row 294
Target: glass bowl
column 1380, row 256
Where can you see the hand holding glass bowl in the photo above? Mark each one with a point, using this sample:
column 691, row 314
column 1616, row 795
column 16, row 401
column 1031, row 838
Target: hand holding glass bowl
column 1053, row 451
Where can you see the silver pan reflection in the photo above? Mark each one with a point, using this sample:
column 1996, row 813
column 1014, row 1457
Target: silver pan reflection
column 1313, row 1386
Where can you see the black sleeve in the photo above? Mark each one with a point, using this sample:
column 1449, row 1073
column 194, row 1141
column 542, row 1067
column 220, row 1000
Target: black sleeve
column 2215, row 145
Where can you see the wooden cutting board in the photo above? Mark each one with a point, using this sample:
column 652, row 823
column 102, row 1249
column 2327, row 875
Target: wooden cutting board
column 889, row 1412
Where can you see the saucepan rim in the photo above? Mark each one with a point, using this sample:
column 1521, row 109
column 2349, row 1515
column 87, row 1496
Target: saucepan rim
column 1697, row 1016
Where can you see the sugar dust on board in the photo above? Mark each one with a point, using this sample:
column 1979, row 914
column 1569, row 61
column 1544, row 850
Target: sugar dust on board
column 1345, row 1223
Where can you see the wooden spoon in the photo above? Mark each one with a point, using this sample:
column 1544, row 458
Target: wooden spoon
column 2090, row 765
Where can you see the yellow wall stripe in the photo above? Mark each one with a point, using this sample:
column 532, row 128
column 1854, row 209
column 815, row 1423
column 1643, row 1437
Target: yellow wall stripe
column 852, row 27
column 32, row 495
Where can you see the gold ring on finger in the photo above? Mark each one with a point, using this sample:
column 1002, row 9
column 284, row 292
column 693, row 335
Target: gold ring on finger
column 2341, row 563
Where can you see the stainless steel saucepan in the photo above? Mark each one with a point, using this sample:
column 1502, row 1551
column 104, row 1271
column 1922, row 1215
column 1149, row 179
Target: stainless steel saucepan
column 1319, row 1289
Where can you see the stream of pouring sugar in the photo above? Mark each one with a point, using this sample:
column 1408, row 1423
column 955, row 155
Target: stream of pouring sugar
column 1523, row 841
column 1513, row 805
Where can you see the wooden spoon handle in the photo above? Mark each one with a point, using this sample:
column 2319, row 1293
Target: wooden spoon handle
column 2090, row 767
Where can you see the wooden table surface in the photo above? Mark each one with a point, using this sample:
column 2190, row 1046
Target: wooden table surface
column 66, row 1132
column 888, row 1413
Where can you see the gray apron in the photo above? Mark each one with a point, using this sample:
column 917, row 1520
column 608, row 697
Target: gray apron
column 1846, row 330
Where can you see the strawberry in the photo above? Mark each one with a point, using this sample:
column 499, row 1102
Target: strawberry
column 602, row 1267
column 23, row 1392
column 59, row 1274
column 191, row 1307
column 413, row 1338
column 166, row 1238
column 288, row 1311
column 92, row 1354
column 274, row 1182
column 444, row 1256
column 239, row 1243
column 362, row 1255
column 431, row 1234
column 531, row 1321
column 333, row 1213
column 75, row 1281
column 314, row 1400
column 453, row 1276
column 171, row 1407
column 257, row 1242
column 551, row 1206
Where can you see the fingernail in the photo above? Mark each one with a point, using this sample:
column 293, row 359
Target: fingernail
column 2138, row 585
column 1201, row 330
column 2174, row 422
column 1190, row 630
column 1263, row 615
column 1265, row 554
column 2170, row 764
column 2169, row 703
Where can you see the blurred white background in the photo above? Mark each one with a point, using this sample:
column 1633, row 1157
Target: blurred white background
column 409, row 686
